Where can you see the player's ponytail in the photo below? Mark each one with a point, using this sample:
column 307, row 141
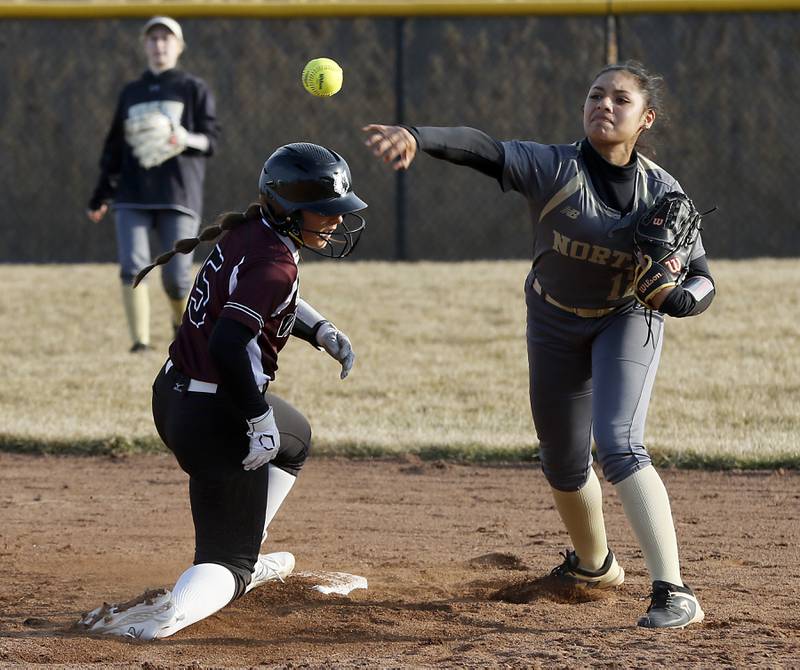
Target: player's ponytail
column 224, row 222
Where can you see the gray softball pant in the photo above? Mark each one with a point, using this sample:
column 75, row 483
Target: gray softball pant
column 133, row 245
column 590, row 376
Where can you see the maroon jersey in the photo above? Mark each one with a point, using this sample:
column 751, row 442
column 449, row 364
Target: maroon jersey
column 251, row 277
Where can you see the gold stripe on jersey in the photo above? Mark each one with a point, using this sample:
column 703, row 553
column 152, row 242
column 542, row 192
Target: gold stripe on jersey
column 646, row 164
column 572, row 186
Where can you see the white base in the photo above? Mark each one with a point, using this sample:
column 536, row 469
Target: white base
column 340, row 583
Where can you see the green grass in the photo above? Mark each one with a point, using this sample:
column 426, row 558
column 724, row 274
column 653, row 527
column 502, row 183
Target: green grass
column 441, row 367
column 117, row 447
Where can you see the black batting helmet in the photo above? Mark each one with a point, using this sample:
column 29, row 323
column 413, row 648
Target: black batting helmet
column 305, row 176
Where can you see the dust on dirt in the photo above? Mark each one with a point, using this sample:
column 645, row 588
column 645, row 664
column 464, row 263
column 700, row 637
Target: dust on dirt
column 457, row 559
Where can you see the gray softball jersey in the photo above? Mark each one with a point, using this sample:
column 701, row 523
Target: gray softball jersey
column 582, row 247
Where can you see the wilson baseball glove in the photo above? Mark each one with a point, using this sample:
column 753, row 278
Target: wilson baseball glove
column 663, row 239
column 154, row 138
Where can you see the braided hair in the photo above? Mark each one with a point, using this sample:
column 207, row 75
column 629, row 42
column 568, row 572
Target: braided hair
column 223, row 223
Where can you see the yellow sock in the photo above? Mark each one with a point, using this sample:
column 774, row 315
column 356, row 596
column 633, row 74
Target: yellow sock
column 582, row 514
column 177, row 307
column 137, row 311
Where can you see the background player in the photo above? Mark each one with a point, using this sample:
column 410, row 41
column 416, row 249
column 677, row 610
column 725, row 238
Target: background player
column 156, row 181
column 589, row 371
column 208, row 399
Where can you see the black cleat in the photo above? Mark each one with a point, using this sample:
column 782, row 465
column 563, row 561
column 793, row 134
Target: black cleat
column 140, row 347
column 608, row 576
column 671, row 606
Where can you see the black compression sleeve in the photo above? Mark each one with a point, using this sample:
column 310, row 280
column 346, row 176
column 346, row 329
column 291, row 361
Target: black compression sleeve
column 681, row 302
column 110, row 161
column 463, row 146
column 228, row 349
column 306, row 332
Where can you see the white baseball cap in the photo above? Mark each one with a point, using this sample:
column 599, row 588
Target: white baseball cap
column 170, row 24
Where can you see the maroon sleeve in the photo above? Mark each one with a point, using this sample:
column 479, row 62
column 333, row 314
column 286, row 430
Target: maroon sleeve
column 263, row 289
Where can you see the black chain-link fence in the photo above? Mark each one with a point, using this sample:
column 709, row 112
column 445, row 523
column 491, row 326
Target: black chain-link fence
column 733, row 83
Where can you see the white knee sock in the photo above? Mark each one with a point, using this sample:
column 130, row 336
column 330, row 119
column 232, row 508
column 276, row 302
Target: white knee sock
column 199, row 592
column 582, row 514
column 646, row 505
column 279, row 484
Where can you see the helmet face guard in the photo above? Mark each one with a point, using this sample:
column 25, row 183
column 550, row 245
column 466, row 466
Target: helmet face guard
column 342, row 241
column 304, row 176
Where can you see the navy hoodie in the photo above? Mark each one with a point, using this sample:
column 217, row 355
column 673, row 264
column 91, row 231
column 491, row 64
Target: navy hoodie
column 178, row 182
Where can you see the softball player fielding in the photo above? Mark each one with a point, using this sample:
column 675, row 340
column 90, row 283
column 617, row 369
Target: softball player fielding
column 593, row 351
column 153, row 167
column 241, row 449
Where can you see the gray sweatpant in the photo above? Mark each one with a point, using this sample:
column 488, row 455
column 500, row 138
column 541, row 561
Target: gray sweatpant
column 133, row 245
column 590, row 377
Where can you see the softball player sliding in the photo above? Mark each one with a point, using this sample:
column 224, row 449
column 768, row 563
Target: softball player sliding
column 593, row 351
column 154, row 172
column 242, row 449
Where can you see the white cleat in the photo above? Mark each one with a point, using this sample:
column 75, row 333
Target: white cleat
column 269, row 567
column 142, row 618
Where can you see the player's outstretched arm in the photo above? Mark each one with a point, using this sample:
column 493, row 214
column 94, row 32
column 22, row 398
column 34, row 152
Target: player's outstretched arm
column 392, row 144
column 459, row 145
column 311, row 326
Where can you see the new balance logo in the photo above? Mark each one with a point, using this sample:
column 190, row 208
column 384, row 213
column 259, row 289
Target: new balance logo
column 570, row 212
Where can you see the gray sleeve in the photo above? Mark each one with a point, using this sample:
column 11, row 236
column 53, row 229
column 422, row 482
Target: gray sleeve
column 529, row 168
column 461, row 145
column 698, row 250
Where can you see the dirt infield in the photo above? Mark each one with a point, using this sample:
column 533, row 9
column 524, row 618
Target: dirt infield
column 455, row 557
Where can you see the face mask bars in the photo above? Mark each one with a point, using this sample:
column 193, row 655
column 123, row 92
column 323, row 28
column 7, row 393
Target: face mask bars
column 342, row 241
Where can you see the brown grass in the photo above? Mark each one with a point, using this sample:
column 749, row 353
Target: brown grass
column 441, row 361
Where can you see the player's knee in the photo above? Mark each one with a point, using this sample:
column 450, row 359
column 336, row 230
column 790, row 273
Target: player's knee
column 619, row 450
column 127, row 273
column 176, row 277
column 175, row 288
column 295, row 435
column 294, row 451
column 618, row 465
column 564, row 475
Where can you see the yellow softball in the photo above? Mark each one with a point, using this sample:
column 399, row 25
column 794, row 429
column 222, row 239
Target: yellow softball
column 322, row 77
